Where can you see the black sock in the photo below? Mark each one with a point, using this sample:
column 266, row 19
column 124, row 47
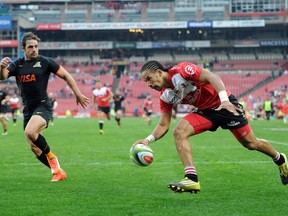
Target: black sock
column 118, row 120
column 43, row 159
column 192, row 177
column 280, row 161
column 41, row 143
column 101, row 125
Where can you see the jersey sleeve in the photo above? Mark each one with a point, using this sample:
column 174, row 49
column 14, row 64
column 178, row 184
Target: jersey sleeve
column 53, row 66
column 108, row 91
column 12, row 68
column 164, row 107
column 190, row 71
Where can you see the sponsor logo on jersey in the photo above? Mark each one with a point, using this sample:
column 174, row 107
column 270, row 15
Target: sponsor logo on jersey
column 27, row 78
column 191, row 97
column 189, row 70
column 176, row 91
column 37, row 64
column 173, row 99
column 184, row 86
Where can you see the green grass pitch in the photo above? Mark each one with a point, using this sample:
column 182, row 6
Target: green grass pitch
column 103, row 181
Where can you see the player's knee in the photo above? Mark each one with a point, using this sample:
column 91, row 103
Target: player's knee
column 179, row 133
column 29, row 134
column 251, row 145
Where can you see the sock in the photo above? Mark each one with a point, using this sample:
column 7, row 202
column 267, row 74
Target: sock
column 190, row 172
column 101, row 124
column 43, row 159
column 279, row 159
column 14, row 120
column 50, row 155
column 41, row 143
column 118, row 120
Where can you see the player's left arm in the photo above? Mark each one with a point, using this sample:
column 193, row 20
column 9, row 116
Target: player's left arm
column 217, row 83
column 55, row 104
column 160, row 130
column 95, row 104
column 80, row 98
column 110, row 95
column 125, row 105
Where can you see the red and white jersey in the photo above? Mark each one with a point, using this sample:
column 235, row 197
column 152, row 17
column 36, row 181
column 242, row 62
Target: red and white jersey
column 14, row 102
column 284, row 108
column 186, row 89
column 148, row 104
column 100, row 94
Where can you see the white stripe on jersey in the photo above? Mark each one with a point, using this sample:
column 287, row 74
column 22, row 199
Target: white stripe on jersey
column 183, row 89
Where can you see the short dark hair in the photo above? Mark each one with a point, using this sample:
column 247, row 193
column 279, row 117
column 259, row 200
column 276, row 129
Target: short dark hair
column 154, row 66
column 29, row 36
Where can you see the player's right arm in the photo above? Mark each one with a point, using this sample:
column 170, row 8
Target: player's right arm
column 160, row 130
column 80, row 98
column 3, row 64
column 95, row 104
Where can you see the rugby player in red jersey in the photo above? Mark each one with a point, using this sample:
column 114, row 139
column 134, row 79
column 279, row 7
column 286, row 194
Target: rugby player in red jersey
column 32, row 74
column 14, row 106
column 148, row 109
column 215, row 106
column 101, row 102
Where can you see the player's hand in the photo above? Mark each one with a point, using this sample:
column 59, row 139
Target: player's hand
column 5, row 62
column 230, row 107
column 82, row 100
column 145, row 142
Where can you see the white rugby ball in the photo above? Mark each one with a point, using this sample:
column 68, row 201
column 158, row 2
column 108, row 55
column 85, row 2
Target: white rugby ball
column 141, row 154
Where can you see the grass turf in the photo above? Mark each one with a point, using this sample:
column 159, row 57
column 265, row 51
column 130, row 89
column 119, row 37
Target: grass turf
column 103, row 181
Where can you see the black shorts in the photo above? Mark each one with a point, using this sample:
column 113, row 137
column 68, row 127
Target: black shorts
column 147, row 112
column 224, row 118
column 43, row 109
column 3, row 109
column 118, row 108
column 14, row 110
column 106, row 110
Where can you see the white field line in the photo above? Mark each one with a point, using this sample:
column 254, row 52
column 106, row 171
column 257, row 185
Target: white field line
column 130, row 163
column 278, row 143
column 159, row 163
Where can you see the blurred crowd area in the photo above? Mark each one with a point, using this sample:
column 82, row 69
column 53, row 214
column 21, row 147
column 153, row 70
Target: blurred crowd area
column 252, row 61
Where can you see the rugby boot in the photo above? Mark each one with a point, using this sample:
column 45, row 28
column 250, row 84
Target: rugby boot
column 284, row 170
column 186, row 185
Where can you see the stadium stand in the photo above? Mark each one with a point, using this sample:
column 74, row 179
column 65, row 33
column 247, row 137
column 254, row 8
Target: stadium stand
column 103, row 15
column 243, row 56
column 279, row 84
column 75, row 16
column 130, row 15
column 184, row 14
column 47, row 16
column 215, row 13
column 159, row 14
column 238, row 83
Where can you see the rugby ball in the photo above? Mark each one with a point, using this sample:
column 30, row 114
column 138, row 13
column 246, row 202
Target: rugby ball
column 141, row 154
